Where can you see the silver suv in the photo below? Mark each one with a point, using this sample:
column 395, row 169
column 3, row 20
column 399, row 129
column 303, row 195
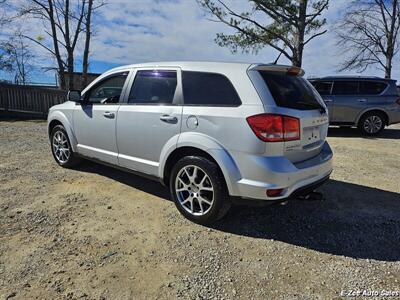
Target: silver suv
column 211, row 132
column 369, row 103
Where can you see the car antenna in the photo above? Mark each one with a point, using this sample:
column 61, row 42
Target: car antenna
column 276, row 60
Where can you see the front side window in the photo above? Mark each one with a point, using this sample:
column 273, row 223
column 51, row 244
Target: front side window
column 108, row 90
column 323, row 87
column 345, row 88
column 153, row 87
column 372, row 87
column 209, row 89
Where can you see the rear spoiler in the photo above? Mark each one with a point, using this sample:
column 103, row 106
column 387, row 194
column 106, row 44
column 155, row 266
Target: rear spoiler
column 289, row 70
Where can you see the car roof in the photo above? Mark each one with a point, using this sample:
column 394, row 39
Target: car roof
column 210, row 66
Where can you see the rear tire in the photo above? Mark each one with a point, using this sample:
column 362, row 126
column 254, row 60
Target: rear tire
column 61, row 148
column 372, row 123
column 198, row 189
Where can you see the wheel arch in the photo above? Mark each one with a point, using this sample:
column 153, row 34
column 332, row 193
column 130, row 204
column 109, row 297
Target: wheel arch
column 375, row 109
column 58, row 118
column 52, row 124
column 204, row 147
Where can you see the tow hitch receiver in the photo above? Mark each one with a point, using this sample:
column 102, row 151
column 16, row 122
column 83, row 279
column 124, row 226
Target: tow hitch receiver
column 312, row 196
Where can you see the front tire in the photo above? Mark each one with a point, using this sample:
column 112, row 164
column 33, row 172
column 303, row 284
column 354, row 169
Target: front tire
column 61, row 148
column 371, row 123
column 198, row 189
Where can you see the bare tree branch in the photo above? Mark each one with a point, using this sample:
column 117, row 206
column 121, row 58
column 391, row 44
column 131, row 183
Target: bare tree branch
column 369, row 32
column 314, row 36
column 64, row 21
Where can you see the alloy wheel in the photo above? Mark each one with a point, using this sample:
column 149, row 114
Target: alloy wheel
column 61, row 147
column 194, row 190
column 373, row 124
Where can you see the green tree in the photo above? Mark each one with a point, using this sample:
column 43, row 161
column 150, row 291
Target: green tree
column 285, row 25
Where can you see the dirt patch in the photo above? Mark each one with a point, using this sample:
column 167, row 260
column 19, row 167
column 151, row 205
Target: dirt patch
column 98, row 233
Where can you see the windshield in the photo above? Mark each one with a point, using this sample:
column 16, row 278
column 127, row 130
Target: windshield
column 291, row 91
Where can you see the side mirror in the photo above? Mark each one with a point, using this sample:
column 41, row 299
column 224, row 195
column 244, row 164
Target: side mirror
column 74, row 95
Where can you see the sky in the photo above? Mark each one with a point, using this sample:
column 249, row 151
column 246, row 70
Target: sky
column 135, row 31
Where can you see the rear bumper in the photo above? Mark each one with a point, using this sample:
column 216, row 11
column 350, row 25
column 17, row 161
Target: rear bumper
column 303, row 191
column 394, row 118
column 394, row 115
column 280, row 173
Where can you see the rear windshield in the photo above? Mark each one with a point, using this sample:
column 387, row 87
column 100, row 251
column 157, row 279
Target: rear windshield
column 291, row 91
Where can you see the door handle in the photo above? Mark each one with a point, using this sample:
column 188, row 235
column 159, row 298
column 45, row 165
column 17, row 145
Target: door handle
column 169, row 119
column 361, row 100
column 109, row 115
column 328, row 100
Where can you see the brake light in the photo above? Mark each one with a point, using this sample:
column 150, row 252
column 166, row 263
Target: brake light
column 275, row 128
column 294, row 71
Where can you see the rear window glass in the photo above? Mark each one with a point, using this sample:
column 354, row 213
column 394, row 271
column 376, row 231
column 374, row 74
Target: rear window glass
column 291, row 91
column 371, row 87
column 323, row 87
column 345, row 88
column 209, row 89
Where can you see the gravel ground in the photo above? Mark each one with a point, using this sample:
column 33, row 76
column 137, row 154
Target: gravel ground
column 98, row 233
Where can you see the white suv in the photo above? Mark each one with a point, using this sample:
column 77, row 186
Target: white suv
column 212, row 132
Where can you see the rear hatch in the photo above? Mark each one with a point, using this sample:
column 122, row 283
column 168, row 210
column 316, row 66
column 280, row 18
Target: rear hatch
column 286, row 92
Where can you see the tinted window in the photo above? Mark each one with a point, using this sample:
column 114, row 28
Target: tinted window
column 153, row 87
column 372, row 87
column 323, row 87
column 345, row 88
column 208, row 89
column 108, row 90
column 291, row 91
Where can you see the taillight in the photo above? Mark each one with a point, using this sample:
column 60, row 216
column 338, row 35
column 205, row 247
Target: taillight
column 275, row 128
column 291, row 128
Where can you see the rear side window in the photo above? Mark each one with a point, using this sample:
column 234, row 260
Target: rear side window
column 345, row 88
column 323, row 87
column 153, row 87
column 372, row 87
column 209, row 89
column 291, row 91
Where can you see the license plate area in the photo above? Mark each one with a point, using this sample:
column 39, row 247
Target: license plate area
column 311, row 134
